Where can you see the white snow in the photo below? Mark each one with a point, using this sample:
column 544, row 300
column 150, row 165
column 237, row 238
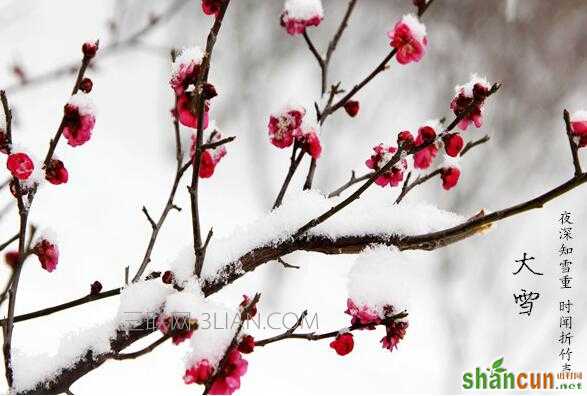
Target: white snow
column 140, row 301
column 417, row 28
column 303, row 9
column 186, row 57
column 32, row 369
column 579, row 116
column 372, row 214
column 381, row 276
column 451, row 162
column 467, row 88
column 217, row 325
column 84, row 103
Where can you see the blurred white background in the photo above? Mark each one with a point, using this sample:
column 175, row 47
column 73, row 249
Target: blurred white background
column 463, row 313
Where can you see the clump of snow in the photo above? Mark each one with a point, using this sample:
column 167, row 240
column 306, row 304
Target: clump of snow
column 467, row 88
column 33, row 369
column 140, row 301
column 217, row 325
column 83, row 102
column 187, row 56
column 381, row 276
column 370, row 215
column 434, row 124
column 47, row 234
column 303, row 9
column 417, row 28
column 578, row 116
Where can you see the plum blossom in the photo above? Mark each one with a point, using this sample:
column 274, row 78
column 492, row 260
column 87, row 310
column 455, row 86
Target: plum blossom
column 56, row 173
column 47, row 252
column 211, row 7
column 297, row 15
column 383, row 154
column 453, row 144
column 86, row 85
column 405, row 140
column 579, row 127
column 352, row 107
column 180, row 328
column 450, row 177
column 395, row 332
column 79, row 119
column 285, row 125
column 426, row 134
column 184, row 76
column 95, row 288
column 210, row 157
column 470, row 97
column 229, row 379
column 168, row 277
column 362, row 315
column 247, row 344
column 20, row 165
column 343, row 344
column 310, row 141
column 199, row 373
column 408, row 37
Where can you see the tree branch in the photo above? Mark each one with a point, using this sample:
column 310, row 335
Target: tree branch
column 572, row 143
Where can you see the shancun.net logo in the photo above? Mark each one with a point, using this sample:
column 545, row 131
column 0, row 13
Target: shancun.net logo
column 499, row 378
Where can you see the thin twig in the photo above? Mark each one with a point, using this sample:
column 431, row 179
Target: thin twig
column 474, row 143
column 286, row 264
column 353, row 180
column 146, row 212
column 213, row 145
column 293, row 165
column 144, row 351
column 572, row 143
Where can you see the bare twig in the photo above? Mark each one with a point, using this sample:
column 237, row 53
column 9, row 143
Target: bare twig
column 286, row 264
column 146, row 212
column 180, row 169
column 474, row 143
column 213, row 145
column 289, row 334
column 293, row 165
column 144, row 351
column 353, row 180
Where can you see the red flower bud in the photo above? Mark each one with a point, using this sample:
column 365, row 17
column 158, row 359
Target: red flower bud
column 56, row 172
column 405, row 140
column 453, row 144
column 450, row 177
column 209, row 91
column 48, row 254
column 86, row 85
column 11, row 258
column 168, row 277
column 352, row 107
column 95, row 288
column 89, row 49
column 247, row 344
column 343, row 344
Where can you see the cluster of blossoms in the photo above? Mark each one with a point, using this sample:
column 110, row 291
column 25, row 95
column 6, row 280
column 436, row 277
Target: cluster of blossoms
column 234, row 366
column 287, row 127
column 77, row 125
column 297, row 15
column 382, row 156
column 408, row 38
column 579, row 127
column 210, row 157
column 470, row 98
column 368, row 318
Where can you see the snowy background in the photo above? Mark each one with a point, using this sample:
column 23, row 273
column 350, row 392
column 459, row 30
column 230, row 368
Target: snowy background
column 462, row 313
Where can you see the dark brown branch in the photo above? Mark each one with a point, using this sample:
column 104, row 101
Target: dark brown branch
column 286, row 264
column 318, row 57
column 474, row 143
column 193, row 190
column 149, row 218
column 399, row 154
column 572, row 144
column 7, row 115
column 8, row 242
